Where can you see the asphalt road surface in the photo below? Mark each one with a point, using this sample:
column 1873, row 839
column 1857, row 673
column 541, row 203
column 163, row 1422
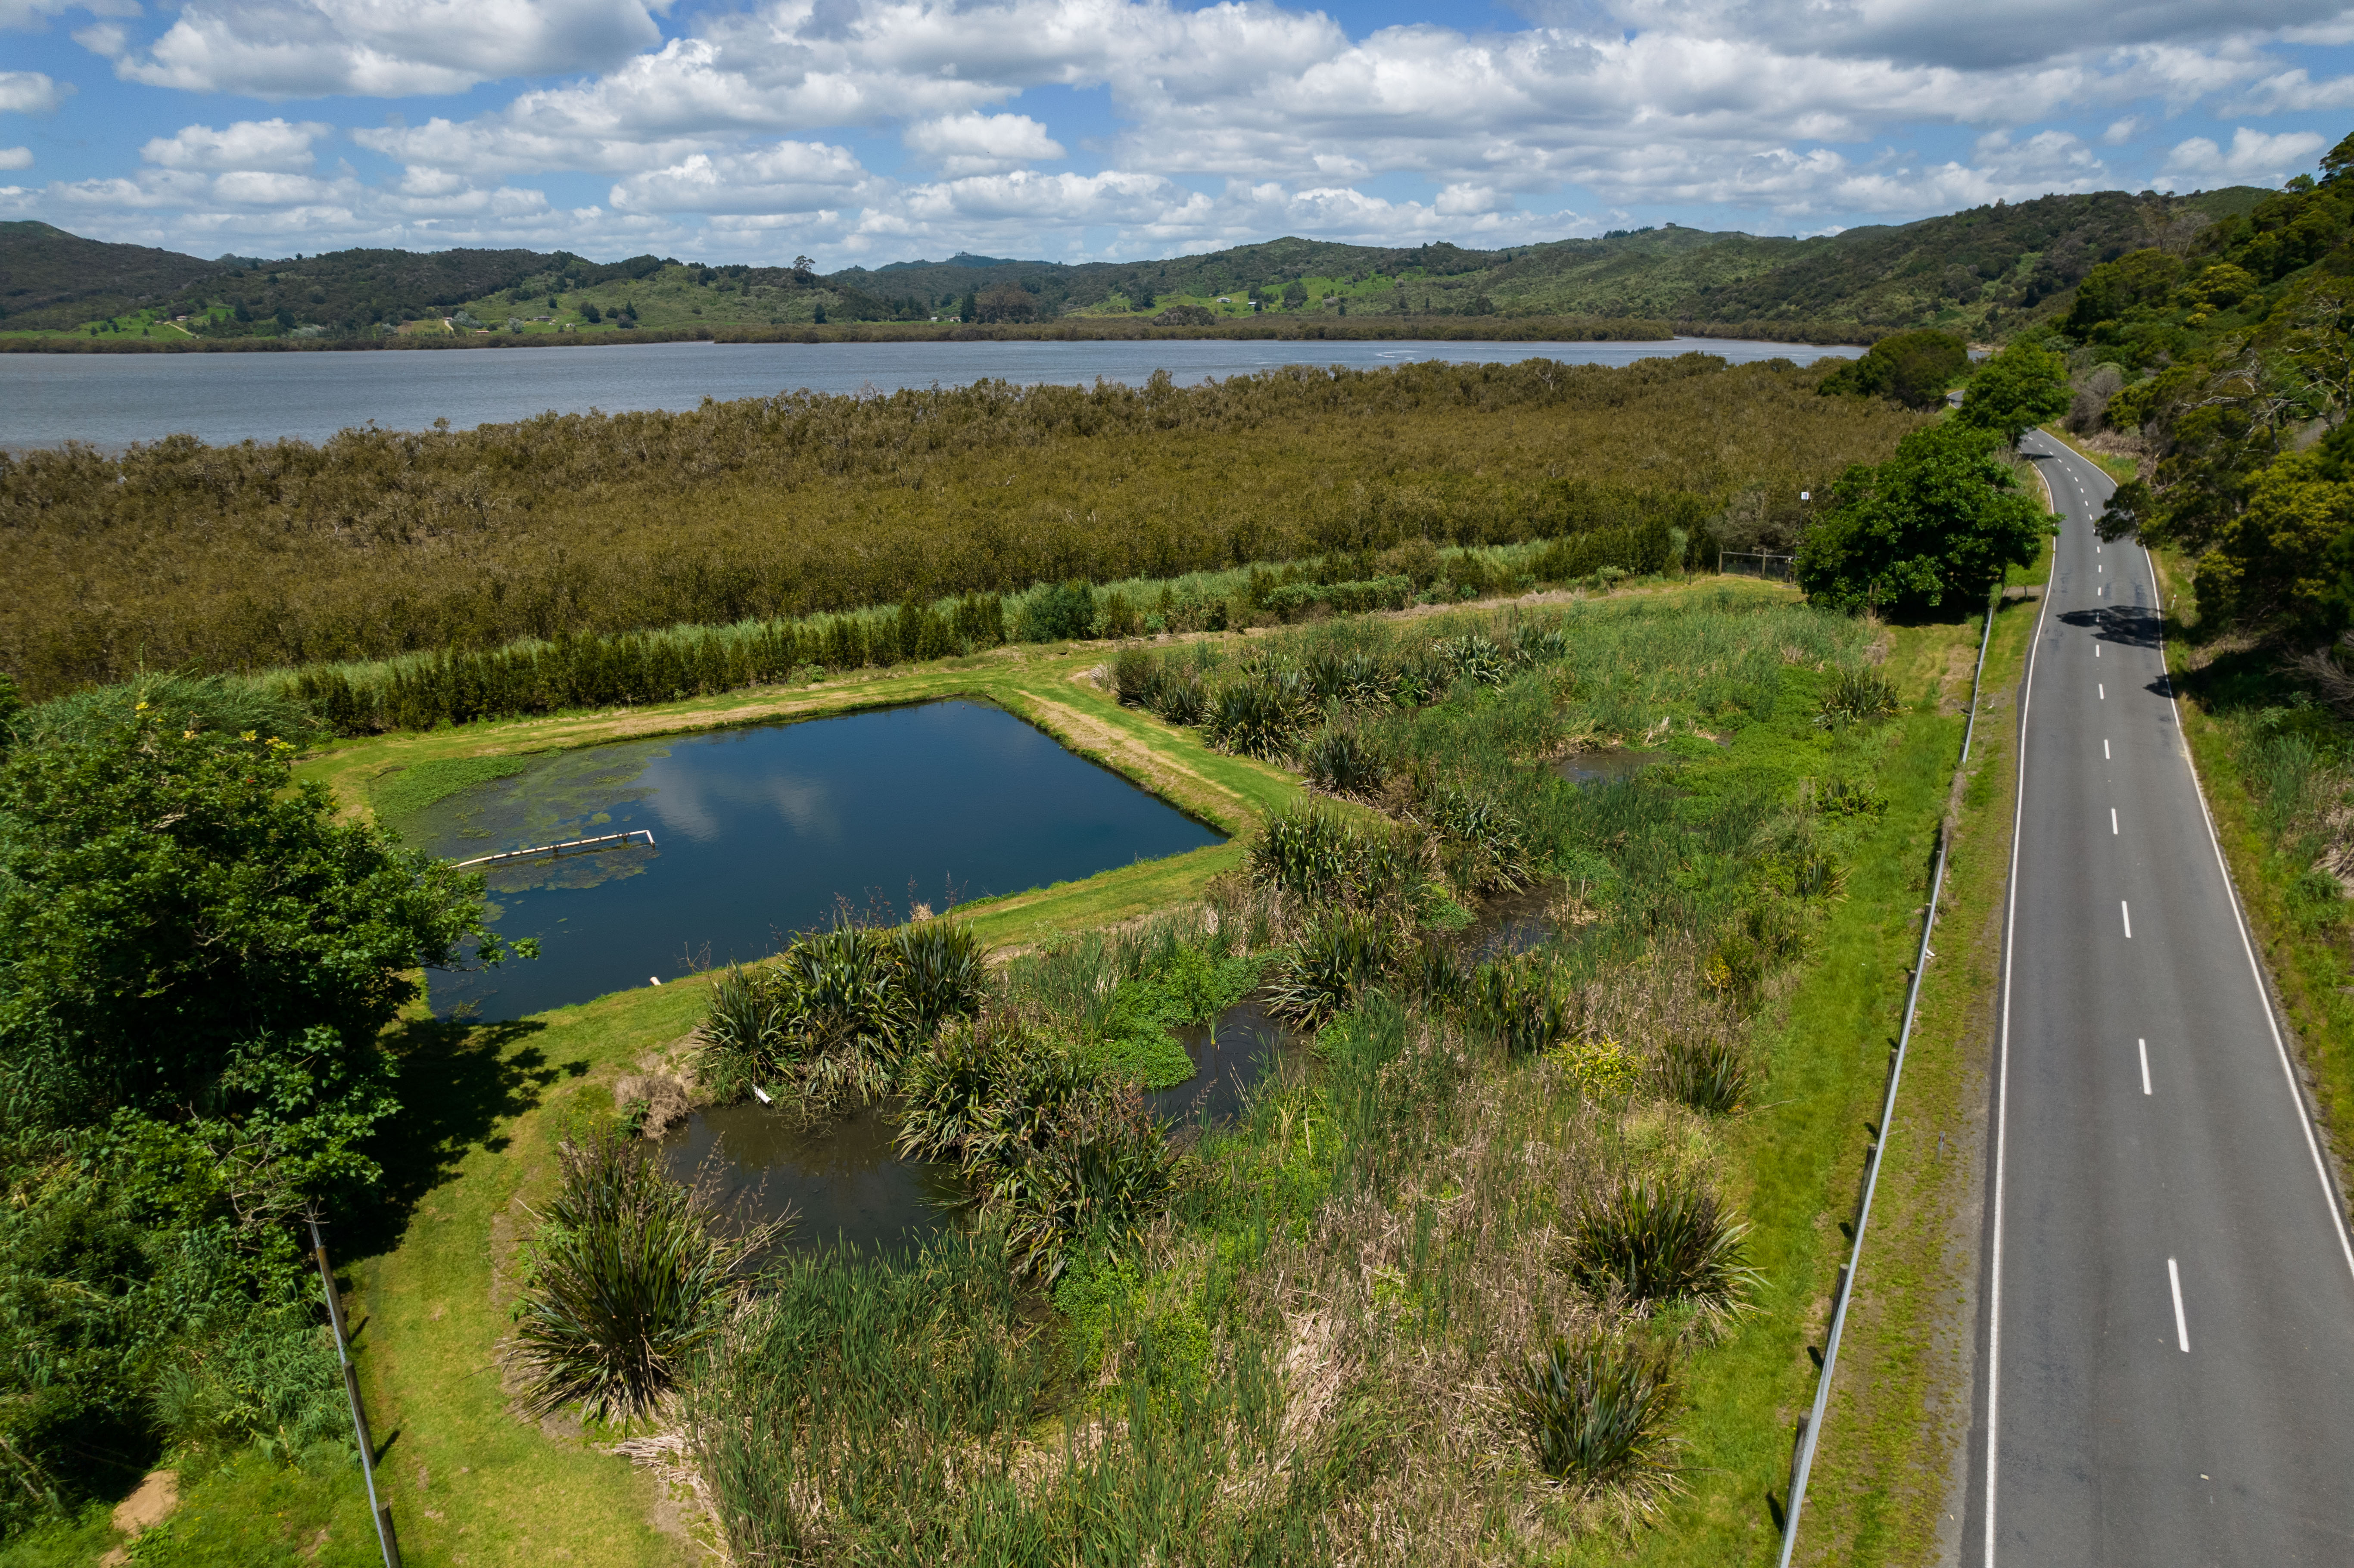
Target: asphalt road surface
column 2168, row 1326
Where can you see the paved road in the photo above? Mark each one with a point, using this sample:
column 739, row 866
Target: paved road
column 2170, row 1321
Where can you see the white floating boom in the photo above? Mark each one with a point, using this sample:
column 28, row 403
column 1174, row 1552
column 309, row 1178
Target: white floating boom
column 600, row 841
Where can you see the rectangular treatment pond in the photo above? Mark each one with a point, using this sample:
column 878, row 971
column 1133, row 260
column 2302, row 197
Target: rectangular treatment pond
column 760, row 833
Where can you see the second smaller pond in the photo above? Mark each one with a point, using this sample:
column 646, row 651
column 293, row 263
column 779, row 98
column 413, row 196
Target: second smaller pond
column 839, row 1179
column 844, row 1183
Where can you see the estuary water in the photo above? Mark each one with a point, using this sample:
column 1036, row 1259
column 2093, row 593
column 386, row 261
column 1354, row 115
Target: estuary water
column 764, row 832
column 111, row 400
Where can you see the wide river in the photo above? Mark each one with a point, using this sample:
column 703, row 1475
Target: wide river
column 111, row 400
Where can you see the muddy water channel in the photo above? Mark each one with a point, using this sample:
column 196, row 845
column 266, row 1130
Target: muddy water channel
column 759, row 832
column 844, row 1184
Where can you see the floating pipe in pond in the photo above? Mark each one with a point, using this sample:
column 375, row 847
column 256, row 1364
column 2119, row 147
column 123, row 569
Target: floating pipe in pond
column 763, row 1094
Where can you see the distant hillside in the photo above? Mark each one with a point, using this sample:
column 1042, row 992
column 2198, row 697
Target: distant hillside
column 50, row 279
column 1983, row 273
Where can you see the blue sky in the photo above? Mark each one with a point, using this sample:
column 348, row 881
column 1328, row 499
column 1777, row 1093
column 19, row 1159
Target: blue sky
column 872, row 131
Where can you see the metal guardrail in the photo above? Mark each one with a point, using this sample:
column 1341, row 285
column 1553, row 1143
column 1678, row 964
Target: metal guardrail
column 1757, row 564
column 560, row 849
column 1803, row 1460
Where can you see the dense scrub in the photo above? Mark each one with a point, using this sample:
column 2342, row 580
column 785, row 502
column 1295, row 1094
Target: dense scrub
column 380, row 543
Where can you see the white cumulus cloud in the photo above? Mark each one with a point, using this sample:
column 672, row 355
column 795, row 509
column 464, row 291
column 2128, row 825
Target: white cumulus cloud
column 309, row 48
column 782, row 177
column 981, row 144
column 272, row 145
column 2254, row 158
column 15, row 157
column 31, row 92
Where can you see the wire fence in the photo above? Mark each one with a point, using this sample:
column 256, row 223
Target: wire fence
column 1757, row 564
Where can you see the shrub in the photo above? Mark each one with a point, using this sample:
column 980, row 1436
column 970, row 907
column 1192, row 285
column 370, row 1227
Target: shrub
column 836, row 1010
column 1340, row 958
column 626, row 1281
column 1659, row 1239
column 1707, row 1072
column 1472, row 657
column 1258, row 714
column 1517, row 1003
column 943, row 972
column 1135, row 677
column 1499, row 859
column 1057, row 611
column 1308, row 853
column 1098, row 1175
column 1342, row 761
column 1856, row 696
column 1596, row 1407
column 1181, row 697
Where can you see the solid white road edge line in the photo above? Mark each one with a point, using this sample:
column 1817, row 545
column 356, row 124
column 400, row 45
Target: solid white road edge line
column 2002, row 1090
column 2181, row 1329
column 2248, row 947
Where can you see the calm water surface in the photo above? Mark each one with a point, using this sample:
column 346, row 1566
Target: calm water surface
column 840, row 1180
column 843, row 1183
column 111, row 400
column 759, row 832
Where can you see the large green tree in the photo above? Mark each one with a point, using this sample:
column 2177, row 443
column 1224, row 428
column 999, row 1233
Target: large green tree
column 2017, row 390
column 1935, row 524
column 1912, row 367
column 197, row 961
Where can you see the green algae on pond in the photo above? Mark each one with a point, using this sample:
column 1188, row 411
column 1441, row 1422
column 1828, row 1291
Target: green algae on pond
column 763, row 832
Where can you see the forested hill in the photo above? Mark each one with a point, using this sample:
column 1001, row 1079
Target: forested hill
column 1983, row 273
column 50, row 278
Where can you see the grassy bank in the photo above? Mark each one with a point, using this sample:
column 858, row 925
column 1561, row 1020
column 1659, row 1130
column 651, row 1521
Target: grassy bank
column 1888, row 1473
column 2277, row 766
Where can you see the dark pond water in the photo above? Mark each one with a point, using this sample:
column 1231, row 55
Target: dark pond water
column 842, row 1183
column 113, row 399
column 840, row 1180
column 1605, row 767
column 759, row 832
column 1510, row 923
column 1229, row 1060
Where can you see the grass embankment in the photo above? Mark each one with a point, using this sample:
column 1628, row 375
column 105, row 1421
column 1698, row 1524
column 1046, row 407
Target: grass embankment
column 1801, row 1152
column 2276, row 769
column 1891, row 1464
column 470, row 1481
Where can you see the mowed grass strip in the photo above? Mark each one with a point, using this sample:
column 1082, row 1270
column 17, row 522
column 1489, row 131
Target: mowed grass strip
column 1887, row 1474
